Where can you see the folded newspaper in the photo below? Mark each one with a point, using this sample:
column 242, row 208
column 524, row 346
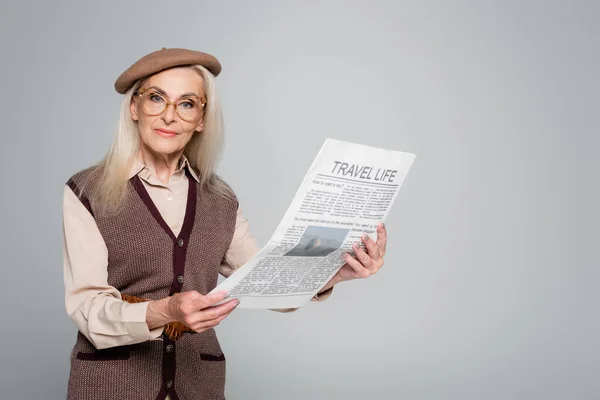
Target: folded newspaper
column 346, row 192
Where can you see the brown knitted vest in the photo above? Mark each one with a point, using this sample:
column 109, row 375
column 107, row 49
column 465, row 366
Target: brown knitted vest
column 146, row 260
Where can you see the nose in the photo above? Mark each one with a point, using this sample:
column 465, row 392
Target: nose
column 169, row 114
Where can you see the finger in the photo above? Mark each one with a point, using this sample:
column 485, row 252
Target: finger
column 204, row 325
column 362, row 256
column 381, row 238
column 221, row 317
column 212, row 313
column 216, row 311
column 359, row 270
column 221, row 308
column 209, row 300
column 372, row 248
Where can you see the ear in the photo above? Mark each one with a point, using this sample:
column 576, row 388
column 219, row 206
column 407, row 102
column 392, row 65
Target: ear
column 133, row 109
column 200, row 125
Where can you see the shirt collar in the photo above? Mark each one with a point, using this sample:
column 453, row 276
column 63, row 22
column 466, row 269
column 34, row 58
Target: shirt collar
column 138, row 167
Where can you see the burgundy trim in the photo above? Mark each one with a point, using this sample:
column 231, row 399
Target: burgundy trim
column 117, row 353
column 180, row 245
column 162, row 395
column 190, row 212
column 139, row 187
column 169, row 366
column 212, row 357
column 84, row 200
column 180, row 252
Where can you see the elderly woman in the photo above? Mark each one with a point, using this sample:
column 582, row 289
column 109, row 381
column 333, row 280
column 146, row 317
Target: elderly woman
column 146, row 233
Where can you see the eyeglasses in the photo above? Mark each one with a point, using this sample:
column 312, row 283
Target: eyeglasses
column 155, row 103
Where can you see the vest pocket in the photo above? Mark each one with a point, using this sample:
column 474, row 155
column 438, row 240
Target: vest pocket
column 212, row 369
column 212, row 357
column 114, row 353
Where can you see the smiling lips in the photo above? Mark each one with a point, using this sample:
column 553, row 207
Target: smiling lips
column 166, row 132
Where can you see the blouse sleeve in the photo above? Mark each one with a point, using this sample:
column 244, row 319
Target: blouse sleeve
column 93, row 305
column 243, row 247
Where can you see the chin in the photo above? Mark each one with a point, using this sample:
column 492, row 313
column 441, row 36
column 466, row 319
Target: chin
column 164, row 146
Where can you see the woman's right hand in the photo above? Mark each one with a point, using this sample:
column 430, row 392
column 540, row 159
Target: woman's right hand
column 198, row 311
column 195, row 310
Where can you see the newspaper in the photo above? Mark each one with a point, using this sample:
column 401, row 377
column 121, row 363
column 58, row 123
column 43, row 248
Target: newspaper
column 346, row 192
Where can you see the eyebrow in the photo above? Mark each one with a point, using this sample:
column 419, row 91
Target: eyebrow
column 159, row 90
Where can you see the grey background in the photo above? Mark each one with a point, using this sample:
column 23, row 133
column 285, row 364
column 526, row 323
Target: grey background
column 490, row 285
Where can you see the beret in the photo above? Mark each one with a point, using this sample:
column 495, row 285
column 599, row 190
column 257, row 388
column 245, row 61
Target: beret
column 161, row 60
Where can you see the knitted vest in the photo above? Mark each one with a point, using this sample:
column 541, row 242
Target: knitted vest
column 146, row 260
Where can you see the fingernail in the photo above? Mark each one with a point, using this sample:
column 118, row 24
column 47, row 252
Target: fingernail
column 226, row 295
column 365, row 237
column 344, row 255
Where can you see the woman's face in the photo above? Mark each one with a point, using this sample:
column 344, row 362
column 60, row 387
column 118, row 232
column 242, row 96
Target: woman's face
column 168, row 132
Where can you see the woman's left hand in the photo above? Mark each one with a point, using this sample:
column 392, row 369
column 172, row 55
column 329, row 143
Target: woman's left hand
column 366, row 263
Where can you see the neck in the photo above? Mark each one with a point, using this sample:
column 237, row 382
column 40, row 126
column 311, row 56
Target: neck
column 163, row 165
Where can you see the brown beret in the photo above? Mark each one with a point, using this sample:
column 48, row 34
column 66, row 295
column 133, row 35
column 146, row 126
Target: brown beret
column 161, row 60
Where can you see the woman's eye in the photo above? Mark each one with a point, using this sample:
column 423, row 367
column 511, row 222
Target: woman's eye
column 156, row 98
column 187, row 104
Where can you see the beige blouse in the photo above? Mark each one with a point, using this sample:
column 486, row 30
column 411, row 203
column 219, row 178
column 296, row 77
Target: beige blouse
column 94, row 306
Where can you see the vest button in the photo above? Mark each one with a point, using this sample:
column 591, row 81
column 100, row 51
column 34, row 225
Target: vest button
column 169, row 384
column 180, row 242
column 170, row 348
column 180, row 279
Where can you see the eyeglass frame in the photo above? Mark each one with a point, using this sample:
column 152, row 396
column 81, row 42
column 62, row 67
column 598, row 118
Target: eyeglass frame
column 140, row 92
